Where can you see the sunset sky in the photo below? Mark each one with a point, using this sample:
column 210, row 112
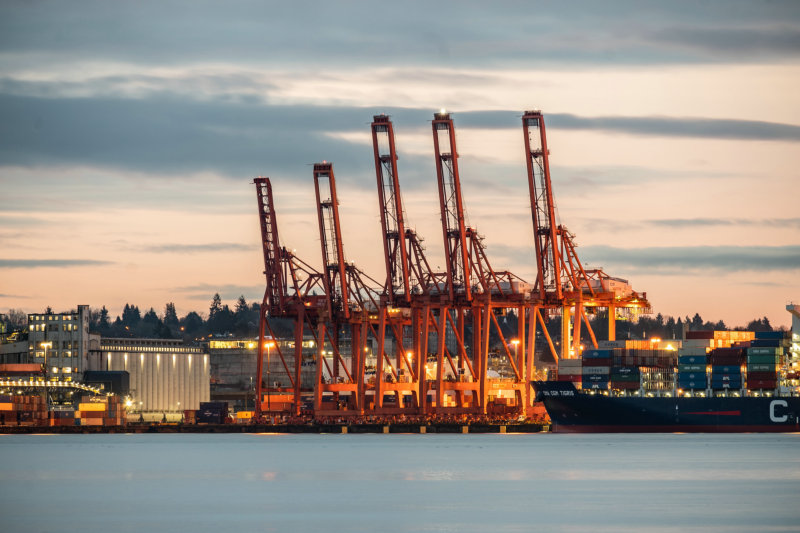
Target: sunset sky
column 130, row 134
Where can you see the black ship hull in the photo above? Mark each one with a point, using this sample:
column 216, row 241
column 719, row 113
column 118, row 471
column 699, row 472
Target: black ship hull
column 574, row 411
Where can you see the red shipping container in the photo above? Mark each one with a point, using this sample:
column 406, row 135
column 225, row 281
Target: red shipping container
column 627, row 385
column 605, row 361
column 725, row 360
column 729, row 351
column 570, row 377
column 762, row 375
column 762, row 383
column 699, row 335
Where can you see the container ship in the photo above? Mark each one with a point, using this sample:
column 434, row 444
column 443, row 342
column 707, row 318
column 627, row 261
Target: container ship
column 713, row 382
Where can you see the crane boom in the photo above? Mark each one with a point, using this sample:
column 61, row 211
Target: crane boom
column 452, row 207
column 398, row 280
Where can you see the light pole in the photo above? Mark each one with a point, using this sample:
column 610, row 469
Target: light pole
column 515, row 342
column 46, row 345
column 269, row 346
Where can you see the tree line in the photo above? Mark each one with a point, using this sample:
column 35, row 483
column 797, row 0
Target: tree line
column 242, row 321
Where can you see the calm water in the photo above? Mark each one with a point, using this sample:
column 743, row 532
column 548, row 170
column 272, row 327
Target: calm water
column 351, row 483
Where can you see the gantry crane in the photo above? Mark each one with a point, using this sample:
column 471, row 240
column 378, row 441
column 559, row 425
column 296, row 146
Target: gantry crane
column 474, row 289
column 353, row 304
column 561, row 280
column 291, row 292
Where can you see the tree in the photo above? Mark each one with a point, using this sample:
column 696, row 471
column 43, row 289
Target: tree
column 192, row 323
column 241, row 307
column 131, row 316
column 216, row 307
column 170, row 315
column 103, row 322
column 16, row 319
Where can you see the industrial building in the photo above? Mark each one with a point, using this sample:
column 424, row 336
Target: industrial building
column 165, row 375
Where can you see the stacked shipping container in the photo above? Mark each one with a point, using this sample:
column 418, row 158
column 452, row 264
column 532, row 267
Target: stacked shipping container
column 596, row 369
column 764, row 356
column 100, row 411
column 22, row 410
column 571, row 370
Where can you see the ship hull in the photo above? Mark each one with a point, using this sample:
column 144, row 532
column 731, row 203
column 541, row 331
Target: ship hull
column 573, row 411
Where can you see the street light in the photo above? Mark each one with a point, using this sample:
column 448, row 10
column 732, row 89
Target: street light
column 46, row 345
column 269, row 345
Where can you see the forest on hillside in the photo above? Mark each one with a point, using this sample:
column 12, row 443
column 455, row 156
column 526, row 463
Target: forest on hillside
column 242, row 321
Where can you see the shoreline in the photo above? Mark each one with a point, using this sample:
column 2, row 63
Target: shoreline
column 279, row 428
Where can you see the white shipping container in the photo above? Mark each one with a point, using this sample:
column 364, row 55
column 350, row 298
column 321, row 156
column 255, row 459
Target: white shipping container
column 605, row 345
column 596, row 370
column 695, row 343
column 692, row 351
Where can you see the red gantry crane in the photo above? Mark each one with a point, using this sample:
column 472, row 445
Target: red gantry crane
column 353, row 305
column 474, row 291
column 561, row 281
column 291, row 293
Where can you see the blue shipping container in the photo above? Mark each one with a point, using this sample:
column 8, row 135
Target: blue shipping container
column 692, row 384
column 766, row 343
column 596, row 354
column 692, row 360
column 772, row 335
column 727, row 370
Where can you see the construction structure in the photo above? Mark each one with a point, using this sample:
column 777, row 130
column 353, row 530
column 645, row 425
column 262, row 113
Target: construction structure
column 419, row 343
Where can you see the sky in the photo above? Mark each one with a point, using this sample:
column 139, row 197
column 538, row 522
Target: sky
column 130, row 134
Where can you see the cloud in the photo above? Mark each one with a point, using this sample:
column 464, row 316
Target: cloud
column 702, row 222
column 173, row 135
column 682, row 259
column 415, row 32
column 228, row 292
column 197, row 248
column 51, row 263
column 693, row 127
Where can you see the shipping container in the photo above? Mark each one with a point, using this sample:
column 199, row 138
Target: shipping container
column 764, row 351
column 766, row 343
column 624, row 385
column 92, row 407
column 597, row 354
column 697, row 335
column 763, row 359
column 761, row 375
column 762, row 383
column 692, row 359
column 596, row 370
column 725, row 360
column 692, row 368
column 761, row 367
column 597, row 362
column 772, row 335
column 726, row 369
column 692, row 384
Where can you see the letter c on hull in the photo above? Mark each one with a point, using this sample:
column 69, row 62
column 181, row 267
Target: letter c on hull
column 772, row 415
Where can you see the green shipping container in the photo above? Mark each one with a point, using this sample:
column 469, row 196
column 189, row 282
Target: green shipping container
column 691, row 368
column 762, row 359
column 764, row 351
column 761, row 367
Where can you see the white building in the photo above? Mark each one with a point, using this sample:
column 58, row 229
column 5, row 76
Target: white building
column 62, row 342
column 165, row 375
